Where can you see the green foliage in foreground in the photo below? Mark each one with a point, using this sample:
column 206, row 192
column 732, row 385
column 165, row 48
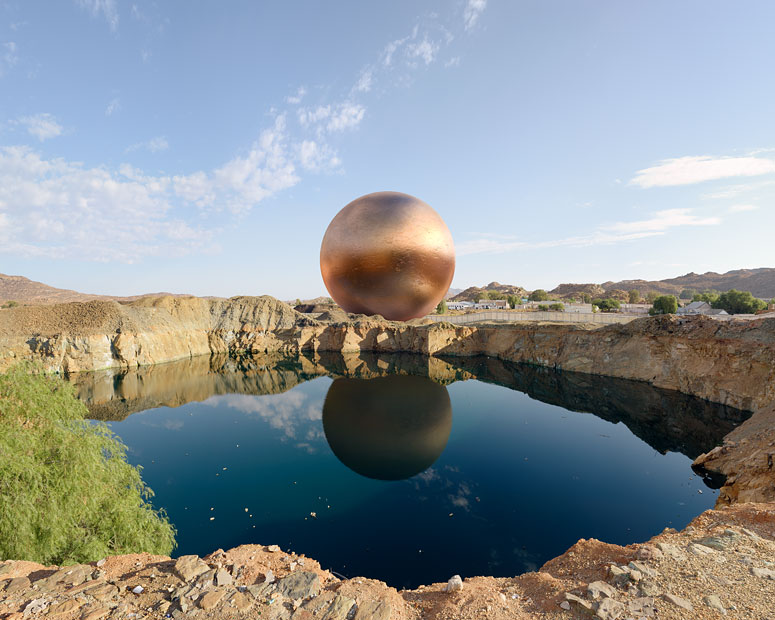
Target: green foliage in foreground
column 664, row 304
column 442, row 307
column 607, row 305
column 67, row 493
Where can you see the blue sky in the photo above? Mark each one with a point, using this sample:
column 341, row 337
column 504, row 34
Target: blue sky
column 204, row 147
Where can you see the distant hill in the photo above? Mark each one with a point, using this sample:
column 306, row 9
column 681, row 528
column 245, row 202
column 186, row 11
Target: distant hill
column 29, row 292
column 760, row 283
column 507, row 289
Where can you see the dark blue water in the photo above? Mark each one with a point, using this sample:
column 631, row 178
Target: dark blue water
column 410, row 481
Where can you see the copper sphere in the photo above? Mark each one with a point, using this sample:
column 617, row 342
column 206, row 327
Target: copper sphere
column 387, row 253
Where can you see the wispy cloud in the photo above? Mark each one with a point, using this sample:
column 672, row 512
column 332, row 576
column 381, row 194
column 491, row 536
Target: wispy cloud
column 55, row 209
column 472, row 12
column 618, row 232
column 154, row 145
column 107, row 8
column 42, row 126
column 742, row 208
column 8, row 57
column 697, row 169
column 114, row 105
column 425, row 50
column 345, row 115
column 296, row 98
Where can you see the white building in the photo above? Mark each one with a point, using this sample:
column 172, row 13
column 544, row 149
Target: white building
column 700, row 307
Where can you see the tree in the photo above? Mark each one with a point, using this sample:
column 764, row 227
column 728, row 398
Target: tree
column 586, row 298
column 538, row 295
column 707, row 296
column 651, row 297
column 687, row 293
column 607, row 305
column 479, row 296
column 739, row 302
column 664, row 304
column 634, row 296
column 557, row 307
column 68, row 493
column 496, row 295
column 513, row 301
column 442, row 307
column 543, row 307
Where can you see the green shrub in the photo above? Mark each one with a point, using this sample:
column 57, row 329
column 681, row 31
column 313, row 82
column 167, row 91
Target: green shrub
column 664, row 304
column 67, row 493
column 442, row 307
column 10, row 304
column 557, row 307
column 538, row 295
column 543, row 307
column 739, row 302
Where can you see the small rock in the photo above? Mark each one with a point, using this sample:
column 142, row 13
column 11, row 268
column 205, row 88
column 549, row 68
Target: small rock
column 642, row 607
column 678, row 601
column 240, row 601
column 643, row 568
column 301, row 584
column 138, row 590
column 719, row 543
column 373, row 610
column 454, row 584
column 577, row 600
column 101, row 563
column 700, row 550
column 648, row 552
column 671, row 550
column 609, row 609
column 764, row 573
column 17, row 584
column 565, row 605
column 97, row 613
column 35, row 606
column 649, row 588
column 210, row 599
column 618, row 575
column 65, row 607
column 750, row 534
column 222, row 577
column 714, row 602
column 189, row 566
column 598, row 589
column 273, row 549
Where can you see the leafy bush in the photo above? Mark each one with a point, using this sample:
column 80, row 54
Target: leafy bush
column 538, row 295
column 442, row 307
column 10, row 304
column 664, row 304
column 543, row 308
column 557, row 307
column 607, row 305
column 513, row 300
column 67, row 493
column 633, row 296
column 739, row 302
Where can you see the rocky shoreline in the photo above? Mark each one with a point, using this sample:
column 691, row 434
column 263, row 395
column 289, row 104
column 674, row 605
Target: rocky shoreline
column 721, row 564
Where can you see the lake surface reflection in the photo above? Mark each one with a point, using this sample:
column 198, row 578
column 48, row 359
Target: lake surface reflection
column 405, row 468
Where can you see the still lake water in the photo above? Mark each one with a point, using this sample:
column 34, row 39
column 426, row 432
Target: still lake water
column 425, row 469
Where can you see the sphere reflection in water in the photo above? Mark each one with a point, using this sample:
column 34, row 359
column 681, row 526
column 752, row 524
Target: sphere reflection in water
column 387, row 428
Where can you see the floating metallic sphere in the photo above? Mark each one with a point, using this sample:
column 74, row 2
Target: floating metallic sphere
column 387, row 253
column 387, row 428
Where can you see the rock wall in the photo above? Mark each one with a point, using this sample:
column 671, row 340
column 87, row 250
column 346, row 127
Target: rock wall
column 729, row 362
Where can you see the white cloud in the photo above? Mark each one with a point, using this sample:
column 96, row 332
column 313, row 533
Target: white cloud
column 108, row 9
column 315, row 157
column 742, row 208
column 154, row 145
column 390, row 50
column 471, row 13
column 453, row 62
column 296, row 99
column 42, row 126
column 8, row 57
column 332, row 118
column 245, row 180
column 662, row 220
column 425, row 50
column 688, row 170
column 113, row 106
column 365, row 81
column 610, row 234
column 53, row 208
column 346, row 116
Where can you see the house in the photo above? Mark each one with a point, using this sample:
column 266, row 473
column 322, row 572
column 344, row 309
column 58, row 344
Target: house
column 460, row 305
column 491, row 304
column 700, row 307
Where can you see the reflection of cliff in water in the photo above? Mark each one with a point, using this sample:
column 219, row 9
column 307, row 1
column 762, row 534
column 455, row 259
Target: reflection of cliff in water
column 666, row 420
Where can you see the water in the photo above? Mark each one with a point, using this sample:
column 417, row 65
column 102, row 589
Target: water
column 491, row 469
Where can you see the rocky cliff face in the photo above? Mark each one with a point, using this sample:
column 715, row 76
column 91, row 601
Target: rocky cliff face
column 732, row 363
